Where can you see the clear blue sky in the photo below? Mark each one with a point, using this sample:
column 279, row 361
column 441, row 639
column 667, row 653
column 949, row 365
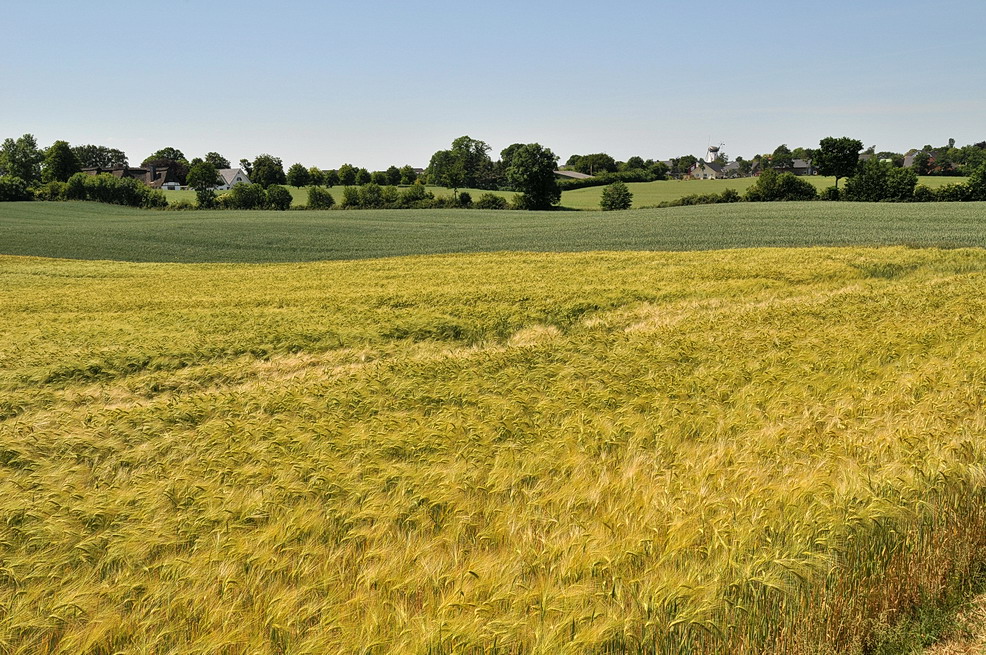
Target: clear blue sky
column 380, row 83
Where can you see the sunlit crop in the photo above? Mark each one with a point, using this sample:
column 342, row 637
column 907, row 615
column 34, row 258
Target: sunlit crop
column 725, row 452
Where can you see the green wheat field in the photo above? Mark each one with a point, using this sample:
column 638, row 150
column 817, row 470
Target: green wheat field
column 750, row 450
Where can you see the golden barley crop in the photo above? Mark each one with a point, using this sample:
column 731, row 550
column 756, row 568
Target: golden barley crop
column 738, row 451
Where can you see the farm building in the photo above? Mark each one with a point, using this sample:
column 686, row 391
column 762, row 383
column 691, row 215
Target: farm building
column 706, row 170
column 231, row 176
column 152, row 176
column 572, row 175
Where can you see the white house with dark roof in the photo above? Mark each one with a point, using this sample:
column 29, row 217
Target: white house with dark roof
column 231, row 176
column 706, row 170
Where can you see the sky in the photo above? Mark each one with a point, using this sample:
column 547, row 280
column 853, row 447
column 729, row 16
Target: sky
column 386, row 83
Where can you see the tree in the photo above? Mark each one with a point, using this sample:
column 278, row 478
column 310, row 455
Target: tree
column 782, row 157
column 319, row 198
column 347, row 175
column 923, row 163
column 599, row 162
column 773, row 185
column 298, row 176
column 467, row 159
column 877, row 181
column 22, row 159
column 380, row 178
column 91, row 156
column 316, row 176
column 393, row 176
column 362, row 176
column 532, row 173
column 246, row 167
column 837, row 158
column 171, row 158
column 408, row 176
column 659, row 170
column 268, row 170
column 331, row 178
column 634, row 163
column 681, row 166
column 60, row 163
column 616, row 196
column 277, row 197
column 203, row 177
column 218, row 160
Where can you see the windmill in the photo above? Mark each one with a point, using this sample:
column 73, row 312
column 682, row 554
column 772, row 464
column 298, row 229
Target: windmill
column 713, row 152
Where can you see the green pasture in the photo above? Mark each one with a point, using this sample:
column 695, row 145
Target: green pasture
column 647, row 194
column 79, row 230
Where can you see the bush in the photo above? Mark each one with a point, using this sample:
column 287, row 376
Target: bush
column 830, row 193
column 977, row 184
column 616, row 196
column 13, row 188
column 350, row 198
column 517, row 202
column 877, row 181
column 52, row 191
column 75, row 188
column 243, row 196
column 924, row 194
column 370, row 196
column 953, row 193
column 415, row 196
column 277, row 197
column 490, row 201
column 465, row 199
column 445, row 202
column 320, row 198
column 206, row 198
column 772, row 186
column 182, row 205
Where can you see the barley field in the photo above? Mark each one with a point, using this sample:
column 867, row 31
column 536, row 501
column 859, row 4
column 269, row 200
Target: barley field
column 743, row 451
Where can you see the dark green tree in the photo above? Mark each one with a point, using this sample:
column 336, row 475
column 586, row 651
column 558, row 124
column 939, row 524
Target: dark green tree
column 596, row 163
column 171, row 158
column 246, row 167
column 298, row 176
column 393, row 176
column 635, row 163
column 837, row 157
column 218, row 160
column 203, row 177
column 782, row 157
column 362, row 176
column 347, row 175
column 408, row 176
column 316, row 176
column 60, row 163
column 91, row 156
column 21, row 159
column 268, row 170
column 532, row 173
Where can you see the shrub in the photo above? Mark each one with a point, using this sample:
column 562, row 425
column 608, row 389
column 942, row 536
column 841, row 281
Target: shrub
column 445, row 202
column 490, row 201
column 51, row 191
column 877, row 181
column 370, row 196
column 773, row 186
column 75, row 188
column 924, row 194
column 277, row 197
column 13, row 188
column 350, row 198
column 244, row 196
column 182, row 205
column 320, row 198
column 517, row 202
column 977, row 184
column 415, row 196
column 390, row 195
column 206, row 198
column 616, row 196
column 830, row 193
column 953, row 193
column 465, row 199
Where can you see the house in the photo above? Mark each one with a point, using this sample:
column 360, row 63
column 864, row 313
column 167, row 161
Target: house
column 706, row 170
column 231, row 176
column 152, row 176
column 572, row 175
column 798, row 167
